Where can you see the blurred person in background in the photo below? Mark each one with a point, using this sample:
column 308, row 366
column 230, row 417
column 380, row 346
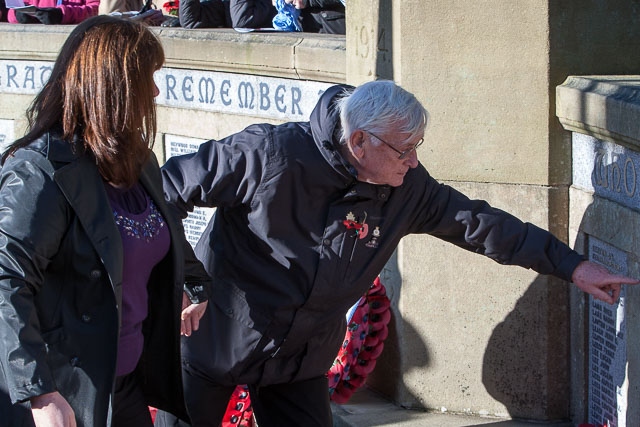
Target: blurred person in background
column 320, row 16
column 53, row 12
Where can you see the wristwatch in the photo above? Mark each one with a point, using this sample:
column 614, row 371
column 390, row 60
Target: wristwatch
column 196, row 292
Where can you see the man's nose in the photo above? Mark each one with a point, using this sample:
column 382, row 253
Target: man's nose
column 412, row 159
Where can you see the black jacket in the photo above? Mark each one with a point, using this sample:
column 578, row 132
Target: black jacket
column 226, row 14
column 286, row 262
column 60, row 287
column 324, row 16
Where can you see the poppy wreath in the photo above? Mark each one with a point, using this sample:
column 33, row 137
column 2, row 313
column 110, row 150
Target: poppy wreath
column 363, row 342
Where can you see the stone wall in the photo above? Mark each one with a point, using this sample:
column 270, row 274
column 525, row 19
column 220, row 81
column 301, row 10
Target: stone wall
column 470, row 335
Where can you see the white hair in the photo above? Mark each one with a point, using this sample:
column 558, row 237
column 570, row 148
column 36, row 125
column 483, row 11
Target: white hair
column 380, row 106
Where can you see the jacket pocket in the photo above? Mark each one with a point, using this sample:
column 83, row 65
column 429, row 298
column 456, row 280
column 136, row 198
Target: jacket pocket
column 231, row 301
column 230, row 339
column 320, row 351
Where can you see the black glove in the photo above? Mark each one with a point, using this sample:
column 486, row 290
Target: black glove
column 49, row 15
column 23, row 18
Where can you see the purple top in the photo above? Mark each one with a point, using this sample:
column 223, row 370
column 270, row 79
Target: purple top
column 145, row 241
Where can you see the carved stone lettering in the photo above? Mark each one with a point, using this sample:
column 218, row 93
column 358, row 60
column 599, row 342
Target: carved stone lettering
column 258, row 96
column 23, row 77
column 609, row 170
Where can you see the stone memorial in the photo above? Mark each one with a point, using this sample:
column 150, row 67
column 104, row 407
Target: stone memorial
column 604, row 203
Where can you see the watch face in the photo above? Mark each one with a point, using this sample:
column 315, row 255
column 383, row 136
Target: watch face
column 196, row 292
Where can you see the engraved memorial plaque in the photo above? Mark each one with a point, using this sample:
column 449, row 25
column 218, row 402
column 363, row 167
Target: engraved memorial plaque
column 608, row 379
column 228, row 93
column 610, row 170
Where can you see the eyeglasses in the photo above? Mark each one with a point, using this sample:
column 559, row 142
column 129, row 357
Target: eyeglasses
column 403, row 154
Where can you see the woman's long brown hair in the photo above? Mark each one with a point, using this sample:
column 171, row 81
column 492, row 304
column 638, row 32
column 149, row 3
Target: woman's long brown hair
column 101, row 92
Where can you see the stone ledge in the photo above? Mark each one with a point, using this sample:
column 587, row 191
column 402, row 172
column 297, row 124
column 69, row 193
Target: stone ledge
column 32, row 42
column 367, row 409
column 306, row 56
column 299, row 56
column 607, row 107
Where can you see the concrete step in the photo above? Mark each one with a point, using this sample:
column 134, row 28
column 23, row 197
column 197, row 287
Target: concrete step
column 367, row 409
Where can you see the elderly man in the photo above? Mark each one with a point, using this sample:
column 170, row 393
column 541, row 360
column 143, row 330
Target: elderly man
column 308, row 214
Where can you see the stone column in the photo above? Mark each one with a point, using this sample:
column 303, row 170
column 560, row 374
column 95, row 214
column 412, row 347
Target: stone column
column 369, row 40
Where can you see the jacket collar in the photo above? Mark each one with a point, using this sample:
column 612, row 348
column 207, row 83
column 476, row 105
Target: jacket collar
column 62, row 152
column 83, row 187
column 79, row 180
column 325, row 124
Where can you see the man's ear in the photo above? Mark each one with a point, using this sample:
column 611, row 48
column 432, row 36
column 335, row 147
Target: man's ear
column 356, row 142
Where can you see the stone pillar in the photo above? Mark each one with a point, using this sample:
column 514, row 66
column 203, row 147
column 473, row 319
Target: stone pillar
column 469, row 335
column 369, row 40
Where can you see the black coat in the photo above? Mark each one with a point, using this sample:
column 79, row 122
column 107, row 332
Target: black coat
column 324, row 16
column 60, row 288
column 286, row 262
column 226, row 14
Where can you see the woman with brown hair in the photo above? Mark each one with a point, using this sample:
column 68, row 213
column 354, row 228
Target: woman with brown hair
column 97, row 280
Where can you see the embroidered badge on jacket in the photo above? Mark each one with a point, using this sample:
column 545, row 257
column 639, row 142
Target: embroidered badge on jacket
column 373, row 243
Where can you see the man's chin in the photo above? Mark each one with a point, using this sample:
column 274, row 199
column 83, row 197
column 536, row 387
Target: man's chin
column 399, row 182
column 396, row 183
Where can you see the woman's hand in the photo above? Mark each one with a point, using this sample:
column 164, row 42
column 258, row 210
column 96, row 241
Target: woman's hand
column 191, row 315
column 52, row 410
